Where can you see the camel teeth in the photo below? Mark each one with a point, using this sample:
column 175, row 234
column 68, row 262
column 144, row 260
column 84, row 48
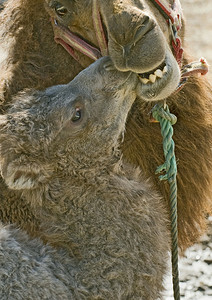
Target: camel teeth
column 144, row 80
column 152, row 78
column 159, row 73
column 165, row 69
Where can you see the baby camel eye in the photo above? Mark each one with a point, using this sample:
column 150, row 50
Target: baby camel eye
column 60, row 10
column 77, row 115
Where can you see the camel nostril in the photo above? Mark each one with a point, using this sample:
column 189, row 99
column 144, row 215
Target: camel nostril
column 146, row 26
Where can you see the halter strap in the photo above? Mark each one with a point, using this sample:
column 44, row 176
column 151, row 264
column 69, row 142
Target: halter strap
column 170, row 12
column 173, row 15
column 73, row 42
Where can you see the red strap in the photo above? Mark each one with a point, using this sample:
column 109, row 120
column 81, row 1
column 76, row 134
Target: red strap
column 173, row 13
column 68, row 48
column 166, row 9
column 178, row 50
column 72, row 41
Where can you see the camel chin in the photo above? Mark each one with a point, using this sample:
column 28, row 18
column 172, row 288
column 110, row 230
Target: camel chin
column 161, row 82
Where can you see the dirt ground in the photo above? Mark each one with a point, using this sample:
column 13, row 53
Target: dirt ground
column 196, row 267
column 195, row 270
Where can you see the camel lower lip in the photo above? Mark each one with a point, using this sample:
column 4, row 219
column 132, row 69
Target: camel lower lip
column 161, row 82
column 153, row 82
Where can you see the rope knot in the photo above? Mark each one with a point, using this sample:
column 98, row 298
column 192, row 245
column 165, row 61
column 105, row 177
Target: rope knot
column 159, row 113
column 166, row 119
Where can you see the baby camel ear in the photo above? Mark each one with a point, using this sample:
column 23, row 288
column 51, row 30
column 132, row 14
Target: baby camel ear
column 20, row 174
column 20, row 170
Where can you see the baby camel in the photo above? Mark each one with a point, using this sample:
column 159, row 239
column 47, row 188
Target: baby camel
column 59, row 150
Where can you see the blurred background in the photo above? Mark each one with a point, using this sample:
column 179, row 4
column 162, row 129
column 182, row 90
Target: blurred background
column 198, row 14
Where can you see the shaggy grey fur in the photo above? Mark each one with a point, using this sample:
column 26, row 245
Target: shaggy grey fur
column 31, row 270
column 59, row 149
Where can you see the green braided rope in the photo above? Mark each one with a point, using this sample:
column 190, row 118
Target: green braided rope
column 166, row 120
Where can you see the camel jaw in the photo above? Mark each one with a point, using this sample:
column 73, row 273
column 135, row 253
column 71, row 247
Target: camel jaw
column 161, row 82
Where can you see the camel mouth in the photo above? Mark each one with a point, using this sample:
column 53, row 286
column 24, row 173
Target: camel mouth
column 156, row 84
column 160, row 82
column 153, row 75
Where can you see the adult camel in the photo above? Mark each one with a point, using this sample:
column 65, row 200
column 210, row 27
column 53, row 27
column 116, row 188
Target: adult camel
column 138, row 38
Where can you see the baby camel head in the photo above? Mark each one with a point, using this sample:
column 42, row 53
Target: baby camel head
column 65, row 127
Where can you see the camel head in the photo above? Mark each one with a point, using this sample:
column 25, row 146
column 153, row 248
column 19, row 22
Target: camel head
column 138, row 38
column 76, row 125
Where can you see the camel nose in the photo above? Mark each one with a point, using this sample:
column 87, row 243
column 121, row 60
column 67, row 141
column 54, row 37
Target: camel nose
column 140, row 31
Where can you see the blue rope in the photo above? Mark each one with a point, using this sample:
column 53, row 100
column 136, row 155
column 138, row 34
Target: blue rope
column 161, row 114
